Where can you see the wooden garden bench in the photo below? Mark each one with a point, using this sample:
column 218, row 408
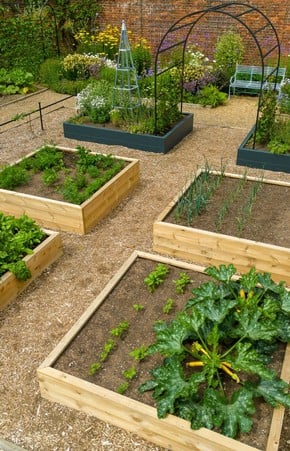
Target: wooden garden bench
column 248, row 79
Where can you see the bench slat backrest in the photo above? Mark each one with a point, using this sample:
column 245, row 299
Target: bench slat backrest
column 257, row 70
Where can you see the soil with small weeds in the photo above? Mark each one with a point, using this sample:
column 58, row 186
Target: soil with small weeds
column 268, row 221
column 37, row 187
column 87, row 346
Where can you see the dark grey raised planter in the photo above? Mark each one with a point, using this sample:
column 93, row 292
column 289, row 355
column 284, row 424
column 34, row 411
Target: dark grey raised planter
column 261, row 159
column 149, row 143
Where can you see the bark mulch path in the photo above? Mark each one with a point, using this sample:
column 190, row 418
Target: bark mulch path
column 36, row 321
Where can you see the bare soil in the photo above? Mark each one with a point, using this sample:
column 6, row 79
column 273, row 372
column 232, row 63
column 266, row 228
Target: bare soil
column 37, row 320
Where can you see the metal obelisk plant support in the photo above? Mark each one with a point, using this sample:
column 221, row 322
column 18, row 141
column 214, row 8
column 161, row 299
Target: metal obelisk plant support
column 126, row 93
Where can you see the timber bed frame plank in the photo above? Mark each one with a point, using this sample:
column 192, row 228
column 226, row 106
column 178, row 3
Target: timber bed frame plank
column 70, row 217
column 171, row 432
column 211, row 248
column 43, row 256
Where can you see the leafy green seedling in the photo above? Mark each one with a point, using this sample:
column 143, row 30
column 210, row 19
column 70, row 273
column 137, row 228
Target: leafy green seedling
column 130, row 373
column 122, row 388
column 108, row 347
column 182, row 282
column 120, row 329
column 139, row 353
column 138, row 307
column 96, row 366
column 168, row 306
column 156, row 277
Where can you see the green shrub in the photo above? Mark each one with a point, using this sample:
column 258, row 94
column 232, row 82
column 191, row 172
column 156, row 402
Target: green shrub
column 229, row 51
column 26, row 39
column 107, row 73
column 280, row 137
column 141, row 56
column 70, row 87
column 266, row 120
column 211, row 96
column 285, row 98
column 50, row 71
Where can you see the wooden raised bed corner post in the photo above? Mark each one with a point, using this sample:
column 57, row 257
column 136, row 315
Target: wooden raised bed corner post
column 171, row 432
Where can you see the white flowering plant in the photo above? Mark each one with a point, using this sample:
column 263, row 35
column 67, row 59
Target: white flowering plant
column 95, row 101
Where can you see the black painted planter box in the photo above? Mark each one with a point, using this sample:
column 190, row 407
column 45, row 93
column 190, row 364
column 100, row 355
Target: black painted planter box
column 149, row 143
column 261, row 159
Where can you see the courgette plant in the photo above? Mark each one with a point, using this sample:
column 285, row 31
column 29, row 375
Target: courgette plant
column 217, row 352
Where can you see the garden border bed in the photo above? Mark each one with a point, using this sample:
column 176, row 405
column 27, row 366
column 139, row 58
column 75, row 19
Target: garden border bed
column 43, row 256
column 261, row 159
column 149, row 143
column 172, row 432
column 211, row 248
column 70, row 217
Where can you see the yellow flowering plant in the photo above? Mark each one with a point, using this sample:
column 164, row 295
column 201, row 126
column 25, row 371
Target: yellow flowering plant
column 77, row 66
column 105, row 42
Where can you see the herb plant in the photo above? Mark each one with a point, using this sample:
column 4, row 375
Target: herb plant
column 217, row 352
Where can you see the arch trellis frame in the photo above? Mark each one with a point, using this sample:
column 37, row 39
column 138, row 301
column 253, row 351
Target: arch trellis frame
column 243, row 13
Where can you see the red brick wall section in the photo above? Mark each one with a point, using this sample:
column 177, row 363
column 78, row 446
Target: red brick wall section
column 152, row 19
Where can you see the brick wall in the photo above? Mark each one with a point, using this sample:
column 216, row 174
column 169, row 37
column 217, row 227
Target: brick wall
column 152, row 19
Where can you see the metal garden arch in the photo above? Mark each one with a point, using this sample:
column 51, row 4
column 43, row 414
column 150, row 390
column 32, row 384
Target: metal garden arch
column 246, row 15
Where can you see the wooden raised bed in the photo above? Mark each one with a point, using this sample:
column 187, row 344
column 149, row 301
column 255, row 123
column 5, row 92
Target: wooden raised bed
column 172, row 432
column 211, row 248
column 69, row 217
column 43, row 255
